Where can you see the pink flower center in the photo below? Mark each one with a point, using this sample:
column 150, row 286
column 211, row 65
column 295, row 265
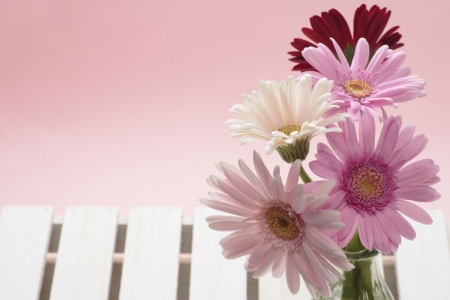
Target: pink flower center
column 357, row 88
column 369, row 185
column 280, row 225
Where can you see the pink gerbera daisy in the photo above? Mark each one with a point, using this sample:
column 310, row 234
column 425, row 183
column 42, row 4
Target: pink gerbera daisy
column 373, row 183
column 278, row 226
column 364, row 85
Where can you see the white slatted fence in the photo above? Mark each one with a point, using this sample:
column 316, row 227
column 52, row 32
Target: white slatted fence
column 151, row 254
column 213, row 276
column 84, row 264
column 155, row 253
column 24, row 237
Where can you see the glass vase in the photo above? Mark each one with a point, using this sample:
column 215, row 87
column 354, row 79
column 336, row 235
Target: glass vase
column 364, row 282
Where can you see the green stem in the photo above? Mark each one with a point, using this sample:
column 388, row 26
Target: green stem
column 351, row 287
column 355, row 244
column 304, row 176
column 358, row 281
column 367, row 280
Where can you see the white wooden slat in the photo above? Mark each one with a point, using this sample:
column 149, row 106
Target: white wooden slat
column 24, row 238
column 85, row 254
column 150, row 267
column 271, row 288
column 212, row 275
column 423, row 265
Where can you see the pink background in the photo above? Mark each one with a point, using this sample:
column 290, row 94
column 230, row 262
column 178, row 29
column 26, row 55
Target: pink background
column 123, row 102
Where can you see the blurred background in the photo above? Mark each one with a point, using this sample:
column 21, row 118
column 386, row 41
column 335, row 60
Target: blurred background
column 122, row 103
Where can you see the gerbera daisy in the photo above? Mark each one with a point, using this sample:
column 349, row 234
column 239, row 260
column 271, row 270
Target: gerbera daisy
column 278, row 226
column 373, row 183
column 368, row 24
column 286, row 115
column 365, row 85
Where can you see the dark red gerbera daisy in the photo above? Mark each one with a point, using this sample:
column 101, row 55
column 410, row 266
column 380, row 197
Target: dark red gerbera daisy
column 368, row 24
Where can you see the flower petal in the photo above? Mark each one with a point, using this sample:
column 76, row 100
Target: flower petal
column 228, row 208
column 417, row 193
column 319, row 187
column 292, row 274
column 366, row 134
column 413, row 211
column 320, row 217
column 293, row 175
column 361, row 56
column 279, row 264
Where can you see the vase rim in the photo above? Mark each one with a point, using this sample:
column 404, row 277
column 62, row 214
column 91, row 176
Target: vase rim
column 362, row 254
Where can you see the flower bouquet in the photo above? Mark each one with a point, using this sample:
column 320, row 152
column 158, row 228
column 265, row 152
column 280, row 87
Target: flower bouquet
column 328, row 232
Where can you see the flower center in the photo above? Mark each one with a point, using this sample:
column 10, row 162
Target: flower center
column 357, row 88
column 282, row 224
column 289, row 128
column 369, row 185
column 366, row 185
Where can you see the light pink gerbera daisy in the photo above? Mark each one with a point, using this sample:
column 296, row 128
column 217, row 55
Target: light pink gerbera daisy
column 373, row 183
column 364, row 85
column 278, row 226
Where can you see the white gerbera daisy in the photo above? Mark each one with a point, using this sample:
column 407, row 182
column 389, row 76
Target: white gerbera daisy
column 285, row 114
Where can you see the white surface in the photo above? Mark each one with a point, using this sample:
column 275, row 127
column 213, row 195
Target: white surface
column 423, row 265
column 24, row 237
column 271, row 288
column 150, row 269
column 212, row 276
column 83, row 267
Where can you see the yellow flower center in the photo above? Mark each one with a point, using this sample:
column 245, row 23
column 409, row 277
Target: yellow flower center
column 289, row 128
column 282, row 224
column 357, row 88
column 368, row 184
